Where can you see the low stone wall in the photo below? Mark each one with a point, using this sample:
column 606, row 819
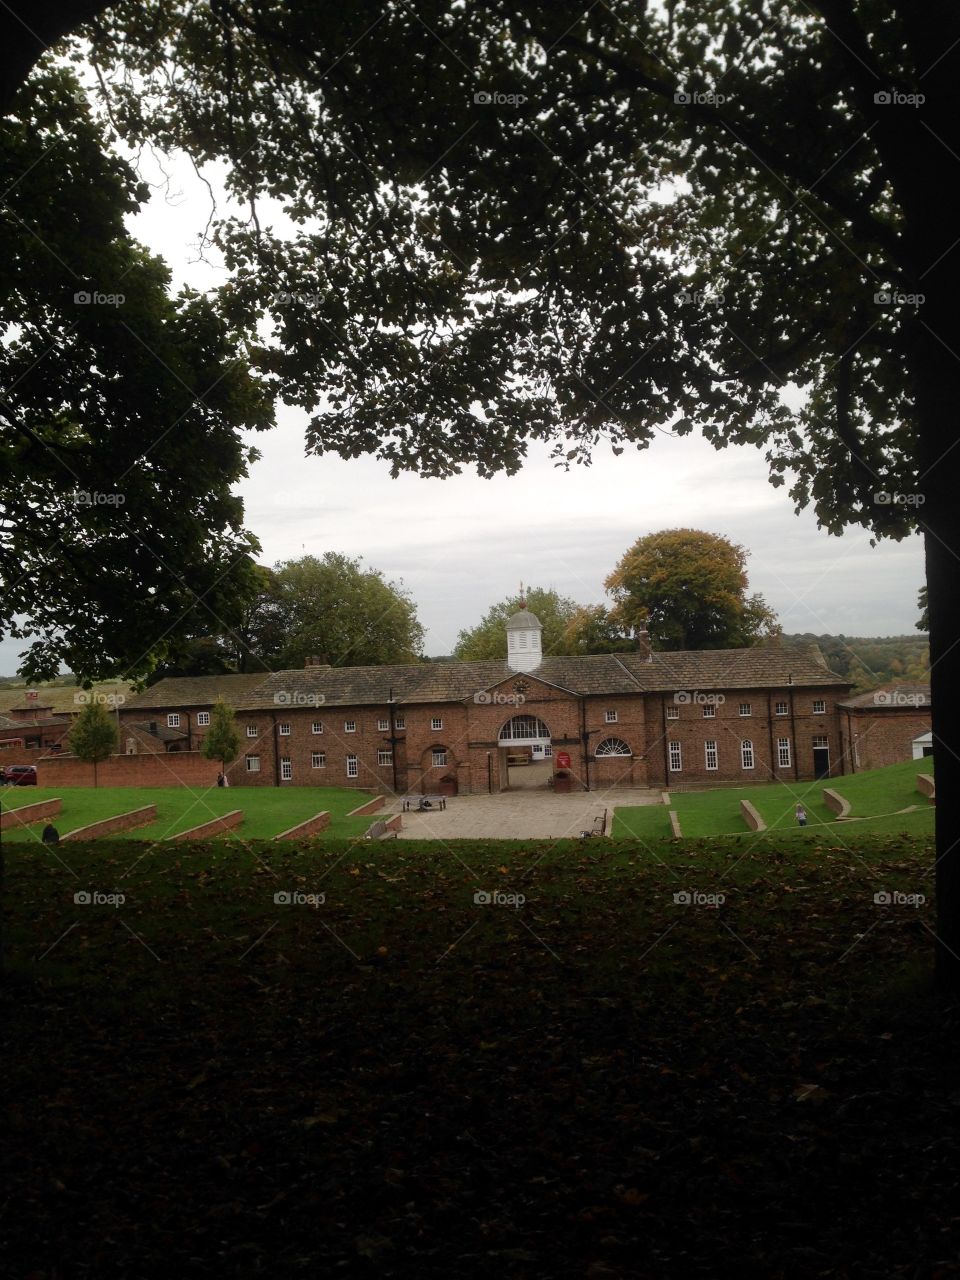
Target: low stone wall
column 751, row 817
column 675, row 824
column 169, row 769
column 10, row 819
column 122, row 822
column 395, row 823
column 927, row 787
column 371, row 806
column 216, row 827
column 312, row 827
column 837, row 803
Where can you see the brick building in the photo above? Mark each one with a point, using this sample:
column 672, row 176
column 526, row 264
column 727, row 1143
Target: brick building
column 880, row 727
column 641, row 719
column 31, row 731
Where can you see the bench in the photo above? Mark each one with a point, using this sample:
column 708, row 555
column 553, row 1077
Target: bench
column 379, row 831
column 599, row 827
column 423, row 804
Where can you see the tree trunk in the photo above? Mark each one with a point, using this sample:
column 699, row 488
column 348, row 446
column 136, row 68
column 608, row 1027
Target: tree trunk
column 931, row 138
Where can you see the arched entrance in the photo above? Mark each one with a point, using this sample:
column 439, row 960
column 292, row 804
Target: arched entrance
column 526, row 753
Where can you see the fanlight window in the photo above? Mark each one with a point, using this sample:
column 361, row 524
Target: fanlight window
column 524, row 727
column 613, row 747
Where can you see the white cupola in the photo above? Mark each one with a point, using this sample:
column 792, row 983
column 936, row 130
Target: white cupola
column 524, row 645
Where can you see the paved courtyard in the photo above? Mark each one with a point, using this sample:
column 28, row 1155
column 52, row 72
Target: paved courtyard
column 517, row 815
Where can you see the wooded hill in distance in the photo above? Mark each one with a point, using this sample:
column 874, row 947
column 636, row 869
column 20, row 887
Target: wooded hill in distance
column 869, row 661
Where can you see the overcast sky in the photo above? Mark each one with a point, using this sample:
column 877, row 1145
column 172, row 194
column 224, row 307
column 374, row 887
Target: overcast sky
column 460, row 545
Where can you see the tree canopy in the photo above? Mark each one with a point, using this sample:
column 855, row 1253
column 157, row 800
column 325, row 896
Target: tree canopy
column 121, row 416
column 334, row 609
column 93, row 735
column 689, row 588
column 222, row 739
column 488, row 639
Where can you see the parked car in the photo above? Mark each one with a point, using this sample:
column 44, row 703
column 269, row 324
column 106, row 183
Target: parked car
column 21, row 775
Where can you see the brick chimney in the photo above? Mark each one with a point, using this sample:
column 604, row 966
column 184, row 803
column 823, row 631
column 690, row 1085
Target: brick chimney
column 317, row 660
column 641, row 640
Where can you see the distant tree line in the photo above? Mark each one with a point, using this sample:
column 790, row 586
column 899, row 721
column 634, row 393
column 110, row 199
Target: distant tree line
column 869, row 661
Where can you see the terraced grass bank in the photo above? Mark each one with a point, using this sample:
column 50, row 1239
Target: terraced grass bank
column 878, row 795
column 267, row 810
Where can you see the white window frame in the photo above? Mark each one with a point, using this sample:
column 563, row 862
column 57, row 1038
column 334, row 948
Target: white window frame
column 318, row 760
column 317, row 726
column 748, row 759
column 610, row 717
column 673, row 713
column 286, row 769
column 284, row 729
column 353, row 766
column 349, row 726
column 203, row 719
column 383, row 725
column 252, row 731
column 778, row 704
column 819, row 707
column 676, row 757
column 436, row 723
column 399, row 722
column 384, row 757
column 709, row 711
column 710, row 752
column 173, row 720
column 439, row 757
column 784, row 755
column 821, row 742
column 253, row 764
column 749, row 709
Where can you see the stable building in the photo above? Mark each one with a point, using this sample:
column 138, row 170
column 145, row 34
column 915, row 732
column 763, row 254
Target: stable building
column 881, row 727
column 640, row 719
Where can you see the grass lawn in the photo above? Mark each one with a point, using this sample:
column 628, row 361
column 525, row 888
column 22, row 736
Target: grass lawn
column 877, row 793
column 267, row 810
column 393, row 1079
column 884, row 790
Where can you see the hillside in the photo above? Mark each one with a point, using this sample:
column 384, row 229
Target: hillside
column 870, row 661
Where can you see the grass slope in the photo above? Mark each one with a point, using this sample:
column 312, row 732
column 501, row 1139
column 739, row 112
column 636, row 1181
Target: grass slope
column 876, row 794
column 267, row 810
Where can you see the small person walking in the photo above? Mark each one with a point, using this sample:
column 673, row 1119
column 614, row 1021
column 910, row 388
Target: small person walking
column 801, row 816
column 221, row 780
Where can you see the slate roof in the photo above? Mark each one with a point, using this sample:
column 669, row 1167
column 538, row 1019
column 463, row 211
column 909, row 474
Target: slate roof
column 189, row 691
column 162, row 731
column 594, row 675
column 61, row 697
column 762, row 667
column 890, row 697
column 39, row 722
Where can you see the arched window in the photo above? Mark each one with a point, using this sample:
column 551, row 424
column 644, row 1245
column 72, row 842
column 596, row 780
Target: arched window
column 524, row 727
column 613, row 747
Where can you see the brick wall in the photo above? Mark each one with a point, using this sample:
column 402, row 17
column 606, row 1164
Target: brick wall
column 312, row 827
column 120, row 822
column 350, row 738
column 215, row 827
column 29, row 813
column 182, row 768
column 878, row 736
column 771, row 715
